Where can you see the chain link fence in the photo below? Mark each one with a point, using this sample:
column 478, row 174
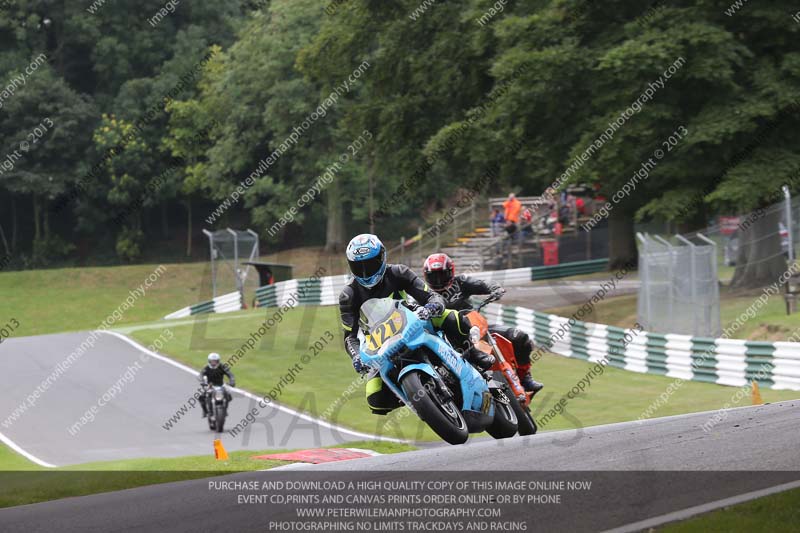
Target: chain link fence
column 229, row 249
column 679, row 290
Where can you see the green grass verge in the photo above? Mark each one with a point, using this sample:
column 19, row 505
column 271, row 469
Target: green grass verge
column 12, row 461
column 73, row 299
column 615, row 396
column 777, row 514
column 22, row 482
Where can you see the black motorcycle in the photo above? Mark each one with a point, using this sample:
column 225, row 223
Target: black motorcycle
column 216, row 398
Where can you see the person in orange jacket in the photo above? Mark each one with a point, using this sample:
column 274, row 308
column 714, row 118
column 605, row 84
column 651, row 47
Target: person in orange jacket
column 512, row 207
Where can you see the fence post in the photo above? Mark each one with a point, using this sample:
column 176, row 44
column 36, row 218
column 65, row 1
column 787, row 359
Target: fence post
column 588, row 244
column 693, row 274
column 472, row 217
column 212, row 263
column 454, row 230
column 715, row 330
column 644, row 287
column 670, row 275
column 788, row 206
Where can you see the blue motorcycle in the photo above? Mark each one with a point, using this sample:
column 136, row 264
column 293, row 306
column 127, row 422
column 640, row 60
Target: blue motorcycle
column 429, row 376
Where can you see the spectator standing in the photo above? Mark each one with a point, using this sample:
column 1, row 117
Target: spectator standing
column 527, row 221
column 564, row 215
column 580, row 205
column 512, row 207
column 498, row 220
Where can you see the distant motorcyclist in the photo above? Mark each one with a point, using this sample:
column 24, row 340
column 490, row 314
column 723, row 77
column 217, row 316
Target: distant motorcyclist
column 214, row 374
column 439, row 272
column 374, row 278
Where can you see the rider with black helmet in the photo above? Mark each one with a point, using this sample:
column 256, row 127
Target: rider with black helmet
column 215, row 372
column 439, row 272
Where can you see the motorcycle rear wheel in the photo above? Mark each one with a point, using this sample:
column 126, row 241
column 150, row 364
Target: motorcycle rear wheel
column 444, row 418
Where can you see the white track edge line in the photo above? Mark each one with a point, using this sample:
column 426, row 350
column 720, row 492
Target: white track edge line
column 14, row 446
column 252, row 396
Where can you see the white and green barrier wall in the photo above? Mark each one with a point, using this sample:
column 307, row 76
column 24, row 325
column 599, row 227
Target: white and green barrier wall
column 731, row 362
column 325, row 290
column 734, row 362
column 221, row 304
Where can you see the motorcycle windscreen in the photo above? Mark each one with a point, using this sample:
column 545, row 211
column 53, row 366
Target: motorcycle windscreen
column 381, row 319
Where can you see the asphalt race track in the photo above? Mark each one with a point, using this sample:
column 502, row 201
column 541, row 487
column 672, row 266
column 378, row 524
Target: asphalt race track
column 751, row 438
column 640, row 472
column 543, row 295
column 131, row 424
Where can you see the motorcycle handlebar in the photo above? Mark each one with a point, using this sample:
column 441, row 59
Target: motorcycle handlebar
column 487, row 301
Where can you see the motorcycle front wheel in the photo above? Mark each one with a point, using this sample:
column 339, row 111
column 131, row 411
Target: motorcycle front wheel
column 525, row 422
column 219, row 418
column 504, row 424
column 526, row 425
column 444, row 418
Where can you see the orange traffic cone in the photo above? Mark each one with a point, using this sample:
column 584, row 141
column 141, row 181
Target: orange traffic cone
column 756, row 394
column 219, row 450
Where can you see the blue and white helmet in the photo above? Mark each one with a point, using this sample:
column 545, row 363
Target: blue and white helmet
column 366, row 256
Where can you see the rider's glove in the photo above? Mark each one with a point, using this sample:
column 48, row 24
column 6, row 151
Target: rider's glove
column 498, row 293
column 423, row 313
column 232, row 383
column 358, row 365
column 428, row 311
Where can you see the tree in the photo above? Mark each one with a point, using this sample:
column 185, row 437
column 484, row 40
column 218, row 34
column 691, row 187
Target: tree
column 42, row 127
column 423, row 74
column 588, row 65
column 261, row 101
column 191, row 133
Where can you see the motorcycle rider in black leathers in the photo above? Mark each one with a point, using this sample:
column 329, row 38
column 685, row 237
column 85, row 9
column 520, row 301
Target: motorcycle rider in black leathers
column 439, row 272
column 214, row 374
column 374, row 278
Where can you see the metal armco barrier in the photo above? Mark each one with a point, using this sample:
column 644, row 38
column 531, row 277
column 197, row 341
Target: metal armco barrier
column 733, row 362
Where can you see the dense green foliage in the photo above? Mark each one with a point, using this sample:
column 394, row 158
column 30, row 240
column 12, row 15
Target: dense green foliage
column 198, row 121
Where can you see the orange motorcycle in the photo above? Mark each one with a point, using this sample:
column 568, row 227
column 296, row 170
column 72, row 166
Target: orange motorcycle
column 505, row 366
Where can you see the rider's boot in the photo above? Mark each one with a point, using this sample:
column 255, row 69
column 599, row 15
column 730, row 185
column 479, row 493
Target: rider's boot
column 525, row 379
column 479, row 359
